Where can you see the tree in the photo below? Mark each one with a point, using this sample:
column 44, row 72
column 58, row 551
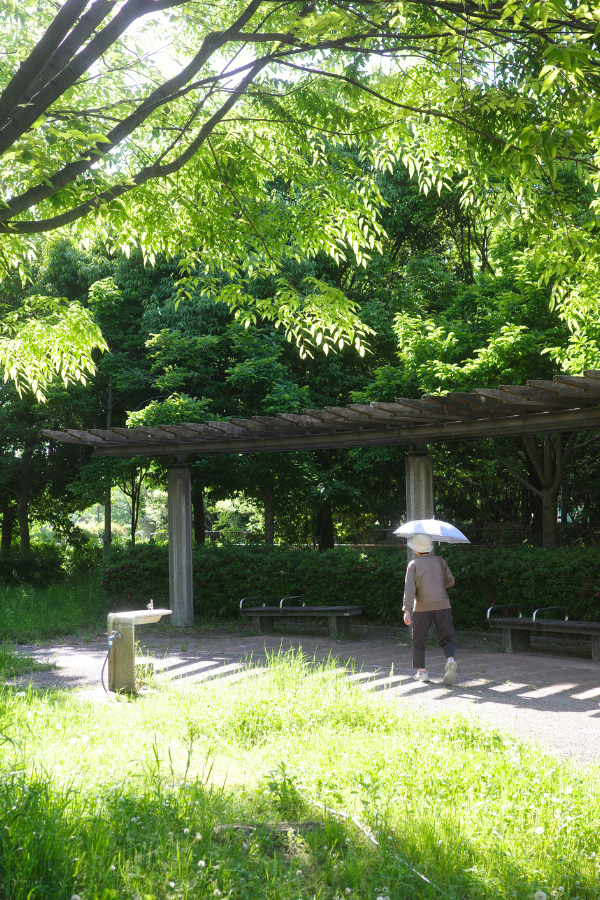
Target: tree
column 231, row 153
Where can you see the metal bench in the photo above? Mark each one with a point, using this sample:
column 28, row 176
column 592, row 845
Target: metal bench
column 517, row 629
column 263, row 617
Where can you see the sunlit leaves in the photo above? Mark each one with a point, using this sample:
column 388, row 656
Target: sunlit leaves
column 44, row 340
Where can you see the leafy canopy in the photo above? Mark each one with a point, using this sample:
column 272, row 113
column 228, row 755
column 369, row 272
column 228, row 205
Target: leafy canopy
column 217, row 131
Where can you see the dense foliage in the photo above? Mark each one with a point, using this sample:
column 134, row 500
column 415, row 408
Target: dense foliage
column 528, row 577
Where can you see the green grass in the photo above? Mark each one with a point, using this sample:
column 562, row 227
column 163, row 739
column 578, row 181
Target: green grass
column 32, row 614
column 137, row 798
column 14, row 664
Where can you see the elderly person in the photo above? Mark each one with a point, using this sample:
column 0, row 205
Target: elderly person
column 425, row 601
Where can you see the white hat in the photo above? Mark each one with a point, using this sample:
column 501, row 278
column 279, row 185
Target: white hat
column 421, row 543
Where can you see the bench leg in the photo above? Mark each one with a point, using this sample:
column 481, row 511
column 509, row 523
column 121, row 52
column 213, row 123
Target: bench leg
column 339, row 626
column 596, row 647
column 515, row 640
column 263, row 624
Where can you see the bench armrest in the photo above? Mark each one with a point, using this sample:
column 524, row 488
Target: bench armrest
column 243, row 600
column 545, row 609
column 513, row 606
column 291, row 597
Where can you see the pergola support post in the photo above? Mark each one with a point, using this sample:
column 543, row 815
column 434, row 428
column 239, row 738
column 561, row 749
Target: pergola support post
column 419, row 487
column 181, row 591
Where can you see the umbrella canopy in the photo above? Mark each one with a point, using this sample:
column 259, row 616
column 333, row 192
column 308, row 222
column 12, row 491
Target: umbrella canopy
column 443, row 532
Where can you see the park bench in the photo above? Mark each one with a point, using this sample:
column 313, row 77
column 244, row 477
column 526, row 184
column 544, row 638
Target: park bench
column 263, row 616
column 517, row 629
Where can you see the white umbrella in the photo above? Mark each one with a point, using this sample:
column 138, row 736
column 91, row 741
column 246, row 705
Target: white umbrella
column 437, row 531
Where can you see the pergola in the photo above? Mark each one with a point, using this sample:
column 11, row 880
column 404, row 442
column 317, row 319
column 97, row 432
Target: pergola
column 567, row 403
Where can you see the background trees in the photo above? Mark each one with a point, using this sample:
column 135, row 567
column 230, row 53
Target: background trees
column 259, row 168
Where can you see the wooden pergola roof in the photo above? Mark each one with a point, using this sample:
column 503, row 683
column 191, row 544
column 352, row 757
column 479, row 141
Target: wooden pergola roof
column 567, row 403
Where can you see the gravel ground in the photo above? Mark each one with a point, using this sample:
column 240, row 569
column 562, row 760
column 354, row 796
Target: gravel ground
column 548, row 696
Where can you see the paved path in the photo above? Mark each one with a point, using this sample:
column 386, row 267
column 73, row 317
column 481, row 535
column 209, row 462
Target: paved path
column 551, row 698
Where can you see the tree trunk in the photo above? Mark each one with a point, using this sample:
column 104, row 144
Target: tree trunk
column 23, row 503
column 325, row 530
column 23, row 517
column 107, row 536
column 549, row 510
column 546, row 470
column 9, row 515
column 198, row 513
column 269, row 507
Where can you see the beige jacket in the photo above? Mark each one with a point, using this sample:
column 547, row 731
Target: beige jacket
column 426, row 583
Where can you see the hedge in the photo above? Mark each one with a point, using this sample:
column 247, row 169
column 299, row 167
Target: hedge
column 526, row 576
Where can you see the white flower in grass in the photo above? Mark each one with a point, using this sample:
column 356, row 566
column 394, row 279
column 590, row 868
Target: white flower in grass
column 216, row 892
column 540, row 895
column 172, row 884
column 201, row 864
column 198, row 836
column 539, row 829
column 186, row 830
column 299, row 873
column 347, row 890
column 560, row 890
column 75, row 897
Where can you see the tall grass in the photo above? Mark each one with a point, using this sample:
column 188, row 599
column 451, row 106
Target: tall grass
column 139, row 798
column 29, row 614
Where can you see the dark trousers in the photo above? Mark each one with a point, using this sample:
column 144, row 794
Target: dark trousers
column 444, row 631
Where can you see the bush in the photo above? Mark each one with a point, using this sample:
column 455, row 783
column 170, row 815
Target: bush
column 85, row 556
column 42, row 566
column 528, row 577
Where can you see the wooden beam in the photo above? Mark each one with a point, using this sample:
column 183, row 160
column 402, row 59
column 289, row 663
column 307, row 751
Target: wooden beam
column 535, row 423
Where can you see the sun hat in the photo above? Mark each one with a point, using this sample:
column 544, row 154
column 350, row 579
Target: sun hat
column 421, row 543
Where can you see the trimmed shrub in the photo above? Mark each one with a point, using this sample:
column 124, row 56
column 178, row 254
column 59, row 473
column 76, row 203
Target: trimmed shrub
column 527, row 577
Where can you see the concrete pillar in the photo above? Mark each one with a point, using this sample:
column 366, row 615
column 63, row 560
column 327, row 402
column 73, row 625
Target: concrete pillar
column 419, row 487
column 181, row 591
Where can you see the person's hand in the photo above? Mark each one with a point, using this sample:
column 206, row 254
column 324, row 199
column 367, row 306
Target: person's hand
column 407, row 618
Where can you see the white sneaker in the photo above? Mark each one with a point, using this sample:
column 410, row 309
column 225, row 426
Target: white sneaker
column 450, row 672
column 422, row 676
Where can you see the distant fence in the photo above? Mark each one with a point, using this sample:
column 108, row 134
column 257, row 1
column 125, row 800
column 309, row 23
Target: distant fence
column 490, row 534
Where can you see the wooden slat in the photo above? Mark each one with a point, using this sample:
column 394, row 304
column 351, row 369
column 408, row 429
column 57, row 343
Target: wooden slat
column 140, row 432
column 72, row 436
column 430, row 412
column 231, row 428
column 179, row 432
column 273, row 424
column 304, row 420
column 556, row 389
column 110, row 436
column 208, row 430
column 543, row 399
column 592, row 373
column 589, row 385
column 332, row 417
column 468, row 406
column 398, row 414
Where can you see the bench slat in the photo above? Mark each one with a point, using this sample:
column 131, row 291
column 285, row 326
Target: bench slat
column 338, row 616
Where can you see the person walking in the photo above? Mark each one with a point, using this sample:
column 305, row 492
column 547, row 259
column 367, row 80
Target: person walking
column 425, row 601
